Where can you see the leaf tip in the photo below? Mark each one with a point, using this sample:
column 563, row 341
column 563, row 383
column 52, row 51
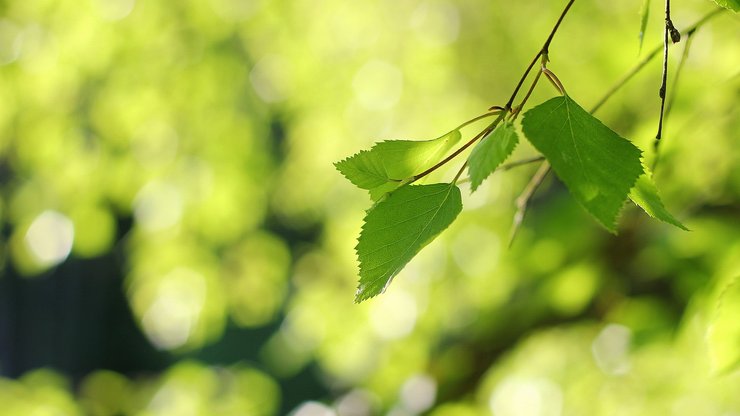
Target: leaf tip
column 364, row 292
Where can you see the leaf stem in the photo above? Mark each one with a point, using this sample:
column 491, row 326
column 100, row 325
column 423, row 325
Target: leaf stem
column 544, row 51
column 554, row 80
column 478, row 136
column 512, row 165
column 536, row 181
column 495, row 111
column 459, row 172
column 523, row 200
column 509, row 166
column 518, row 108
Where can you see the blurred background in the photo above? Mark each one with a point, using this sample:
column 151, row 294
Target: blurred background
column 176, row 241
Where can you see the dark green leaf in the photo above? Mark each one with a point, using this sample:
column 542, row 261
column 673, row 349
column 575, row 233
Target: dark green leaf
column 729, row 4
column 597, row 165
column 491, row 152
column 645, row 195
column 384, row 167
column 397, row 228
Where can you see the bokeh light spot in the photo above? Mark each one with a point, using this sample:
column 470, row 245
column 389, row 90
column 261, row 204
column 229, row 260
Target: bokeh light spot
column 611, row 349
column 394, row 314
column 355, row 403
column 50, row 238
column 157, row 206
column 419, row 393
column 313, row 409
column 269, row 78
column 173, row 314
column 527, row 397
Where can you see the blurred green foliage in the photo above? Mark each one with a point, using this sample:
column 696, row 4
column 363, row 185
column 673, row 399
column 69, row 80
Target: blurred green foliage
column 192, row 143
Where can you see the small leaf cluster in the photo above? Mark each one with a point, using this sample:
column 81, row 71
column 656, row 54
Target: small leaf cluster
column 600, row 169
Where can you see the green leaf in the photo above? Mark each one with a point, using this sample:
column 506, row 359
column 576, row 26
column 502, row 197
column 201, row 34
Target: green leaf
column 733, row 5
column 645, row 195
column 384, row 167
column 491, row 152
column 644, row 14
column 597, row 165
column 723, row 336
column 397, row 228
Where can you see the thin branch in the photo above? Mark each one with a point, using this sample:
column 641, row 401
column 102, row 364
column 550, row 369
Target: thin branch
column 509, row 166
column 672, row 97
column 523, row 200
column 518, row 108
column 483, row 133
column 494, row 111
column 459, row 172
column 515, row 164
column 675, row 36
column 622, row 81
column 662, row 91
column 679, row 70
column 534, row 183
column 544, row 51
column 649, row 57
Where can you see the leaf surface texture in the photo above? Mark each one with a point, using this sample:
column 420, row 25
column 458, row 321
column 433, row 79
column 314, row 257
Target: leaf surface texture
column 386, row 165
column 398, row 227
column 645, row 195
column 490, row 153
column 597, row 165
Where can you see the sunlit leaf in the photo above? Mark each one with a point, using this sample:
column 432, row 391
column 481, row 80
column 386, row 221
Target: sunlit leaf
column 597, row 165
column 397, row 228
column 384, row 167
column 729, row 4
column 724, row 329
column 645, row 195
column 490, row 153
column 644, row 14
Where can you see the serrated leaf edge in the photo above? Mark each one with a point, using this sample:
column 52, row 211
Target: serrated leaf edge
column 358, row 295
column 473, row 186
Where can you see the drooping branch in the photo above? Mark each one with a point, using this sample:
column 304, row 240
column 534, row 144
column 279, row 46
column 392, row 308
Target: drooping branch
column 544, row 51
column 669, row 31
column 649, row 57
column 537, row 179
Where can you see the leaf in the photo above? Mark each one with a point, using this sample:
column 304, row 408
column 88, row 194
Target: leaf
column 384, row 167
column 733, row 5
column 723, row 337
column 645, row 195
column 397, row 228
column 597, row 165
column 644, row 14
column 491, row 152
